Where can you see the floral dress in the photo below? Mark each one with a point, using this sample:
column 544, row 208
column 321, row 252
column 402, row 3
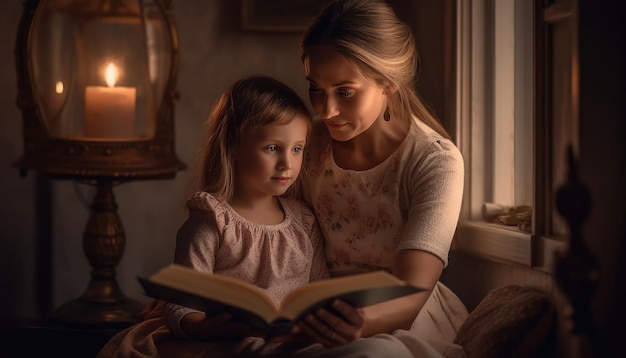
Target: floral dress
column 412, row 200
column 359, row 213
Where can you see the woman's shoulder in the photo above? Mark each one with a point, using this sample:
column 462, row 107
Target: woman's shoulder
column 423, row 142
column 319, row 134
column 319, row 128
column 429, row 160
column 317, row 151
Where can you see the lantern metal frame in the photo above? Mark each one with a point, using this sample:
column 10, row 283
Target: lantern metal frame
column 104, row 164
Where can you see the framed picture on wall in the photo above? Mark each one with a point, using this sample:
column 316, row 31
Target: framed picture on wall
column 279, row 15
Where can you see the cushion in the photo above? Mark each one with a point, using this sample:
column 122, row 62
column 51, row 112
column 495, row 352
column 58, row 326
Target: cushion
column 510, row 321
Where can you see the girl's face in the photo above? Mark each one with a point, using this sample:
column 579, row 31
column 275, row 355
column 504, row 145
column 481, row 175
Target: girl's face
column 270, row 158
column 347, row 101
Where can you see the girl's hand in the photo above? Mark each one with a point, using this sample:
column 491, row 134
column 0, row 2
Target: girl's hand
column 221, row 326
column 332, row 329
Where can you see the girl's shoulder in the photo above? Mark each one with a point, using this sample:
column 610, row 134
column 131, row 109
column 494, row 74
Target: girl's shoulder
column 205, row 207
column 205, row 214
column 299, row 211
column 206, row 202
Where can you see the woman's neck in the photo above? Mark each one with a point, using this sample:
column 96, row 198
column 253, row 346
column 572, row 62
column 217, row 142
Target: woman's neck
column 266, row 211
column 371, row 147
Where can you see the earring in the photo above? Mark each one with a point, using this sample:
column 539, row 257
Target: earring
column 386, row 115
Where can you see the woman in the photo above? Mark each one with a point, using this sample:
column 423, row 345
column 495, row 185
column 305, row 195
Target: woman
column 384, row 179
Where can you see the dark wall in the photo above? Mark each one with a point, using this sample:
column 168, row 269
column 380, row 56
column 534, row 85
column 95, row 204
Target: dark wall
column 603, row 158
column 214, row 51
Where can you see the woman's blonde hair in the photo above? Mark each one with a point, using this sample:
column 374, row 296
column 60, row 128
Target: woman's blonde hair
column 247, row 104
column 369, row 33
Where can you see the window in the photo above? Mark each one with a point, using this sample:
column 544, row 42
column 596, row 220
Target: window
column 495, row 91
column 556, row 114
column 513, row 104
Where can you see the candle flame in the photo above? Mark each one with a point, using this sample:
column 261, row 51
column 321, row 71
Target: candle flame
column 110, row 75
column 58, row 88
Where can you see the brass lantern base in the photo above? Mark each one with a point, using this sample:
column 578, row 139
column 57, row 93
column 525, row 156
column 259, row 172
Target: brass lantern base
column 103, row 304
column 83, row 313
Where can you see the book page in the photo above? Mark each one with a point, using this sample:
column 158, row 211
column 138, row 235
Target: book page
column 219, row 288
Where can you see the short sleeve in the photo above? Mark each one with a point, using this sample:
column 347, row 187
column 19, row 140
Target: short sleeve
column 433, row 187
column 197, row 241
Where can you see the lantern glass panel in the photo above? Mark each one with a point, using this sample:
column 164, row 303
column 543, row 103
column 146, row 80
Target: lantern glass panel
column 100, row 68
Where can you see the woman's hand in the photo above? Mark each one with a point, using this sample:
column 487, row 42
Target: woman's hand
column 332, row 329
column 221, row 326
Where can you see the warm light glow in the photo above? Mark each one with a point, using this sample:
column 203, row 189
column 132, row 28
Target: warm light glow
column 59, row 87
column 110, row 75
column 110, row 111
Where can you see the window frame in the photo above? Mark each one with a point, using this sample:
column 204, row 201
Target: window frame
column 482, row 96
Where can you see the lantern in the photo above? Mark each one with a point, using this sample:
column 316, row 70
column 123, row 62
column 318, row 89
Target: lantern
column 97, row 92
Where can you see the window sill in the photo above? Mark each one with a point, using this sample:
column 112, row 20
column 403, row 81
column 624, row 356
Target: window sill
column 506, row 244
column 493, row 241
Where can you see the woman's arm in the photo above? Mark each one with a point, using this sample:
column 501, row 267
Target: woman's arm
column 416, row 267
column 434, row 184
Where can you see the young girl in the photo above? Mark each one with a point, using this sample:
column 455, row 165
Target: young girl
column 241, row 224
column 385, row 182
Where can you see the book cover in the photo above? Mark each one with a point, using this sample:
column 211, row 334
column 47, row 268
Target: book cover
column 213, row 293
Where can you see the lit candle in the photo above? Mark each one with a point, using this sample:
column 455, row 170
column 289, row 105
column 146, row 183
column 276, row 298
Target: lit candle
column 110, row 111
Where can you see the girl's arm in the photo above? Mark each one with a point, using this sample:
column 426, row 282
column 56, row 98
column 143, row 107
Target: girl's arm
column 198, row 326
column 196, row 243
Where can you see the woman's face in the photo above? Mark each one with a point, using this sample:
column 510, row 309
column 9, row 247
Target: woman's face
column 347, row 101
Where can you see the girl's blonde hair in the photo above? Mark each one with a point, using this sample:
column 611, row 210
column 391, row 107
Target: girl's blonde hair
column 247, row 104
column 369, row 33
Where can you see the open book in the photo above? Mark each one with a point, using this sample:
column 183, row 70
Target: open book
column 213, row 293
